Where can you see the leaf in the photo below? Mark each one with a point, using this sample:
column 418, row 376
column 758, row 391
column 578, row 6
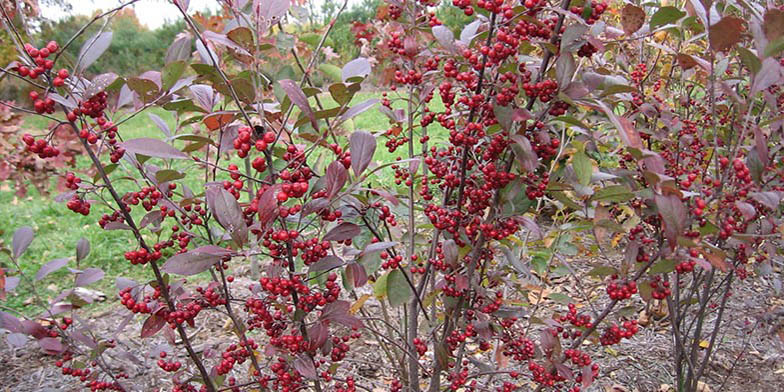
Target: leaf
column 218, row 120
column 332, row 71
column 398, row 289
column 377, row 247
column 171, row 74
column 228, row 213
column 359, row 67
column 152, row 325
column 336, row 177
column 82, row 249
column 180, row 49
column 602, row 271
column 146, row 88
column 243, row 37
column 268, row 205
column 50, row 267
column 160, row 123
column 525, row 153
column 665, row 15
column 204, row 96
column 338, row 312
column 583, row 168
column 769, row 199
column 773, row 24
column 356, row 273
column 716, row 257
column 449, row 248
column 613, row 194
column 774, row 48
column 726, row 33
column 304, row 365
column 168, row 175
column 445, row 36
column 663, row 267
column 100, row 83
column 750, row 60
column 629, row 135
column 632, row 18
column 88, row 276
column 362, row 146
column 16, row 339
column 195, row 261
column 92, row 49
column 297, row 97
column 572, row 37
column 673, row 213
column 152, row 148
column 51, row 345
column 23, row 236
column 326, row 263
column 357, row 109
column 769, row 74
column 564, row 69
column 342, row 232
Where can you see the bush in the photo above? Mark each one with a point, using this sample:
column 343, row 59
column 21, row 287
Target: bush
column 650, row 147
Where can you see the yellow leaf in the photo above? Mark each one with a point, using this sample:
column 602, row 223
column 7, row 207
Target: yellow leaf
column 704, row 343
column 358, row 305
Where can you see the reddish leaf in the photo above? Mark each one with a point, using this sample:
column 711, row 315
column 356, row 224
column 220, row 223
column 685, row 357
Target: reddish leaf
column 673, row 213
column 726, row 33
column 362, row 146
column 152, row 325
column 342, row 232
column 318, row 334
column 218, row 120
column 50, row 267
column 297, row 97
column 336, row 177
column 746, row 209
column 338, row 312
column 632, row 18
column 9, row 322
column 587, row 373
column 153, row 148
column 377, row 247
column 525, row 153
column 23, row 236
column 769, row 199
column 773, row 24
column 93, row 48
column 268, row 205
column 195, row 261
column 180, row 49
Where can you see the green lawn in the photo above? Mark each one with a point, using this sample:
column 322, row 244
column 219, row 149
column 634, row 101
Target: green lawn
column 57, row 229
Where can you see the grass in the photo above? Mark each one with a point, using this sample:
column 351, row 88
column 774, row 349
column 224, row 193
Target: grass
column 57, row 229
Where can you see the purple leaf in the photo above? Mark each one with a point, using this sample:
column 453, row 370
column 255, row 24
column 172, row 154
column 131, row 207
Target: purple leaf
column 116, row 226
column 16, row 339
column 151, row 218
column 152, row 325
column 359, row 67
column 769, row 74
column 195, row 261
column 587, row 373
column 450, row 250
column 445, row 37
column 268, row 205
column 124, row 283
column 9, row 322
column 225, row 41
column 304, row 365
column 204, row 96
column 271, row 9
column 526, row 154
column 357, row 109
column 326, row 263
column 629, row 135
column 228, row 212
column 82, row 249
column 88, row 276
column 92, row 49
column 673, row 213
column 318, row 335
column 180, row 49
column 338, row 312
column 153, row 148
column 23, row 236
column 746, row 209
column 297, row 97
column 767, row 199
column 342, row 232
column 51, row 345
column 357, row 274
column 336, row 177
column 377, row 247
column 50, row 267
column 98, row 84
column 160, row 123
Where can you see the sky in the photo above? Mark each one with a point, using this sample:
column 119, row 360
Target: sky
column 152, row 13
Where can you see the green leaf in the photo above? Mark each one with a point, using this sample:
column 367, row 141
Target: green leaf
column 750, row 60
column 560, row 298
column 665, row 15
column 613, row 193
column 380, row 287
column 774, row 48
column 398, row 290
column 171, row 74
column 663, row 267
column 582, row 167
column 602, row 271
column 332, row 71
column 168, row 175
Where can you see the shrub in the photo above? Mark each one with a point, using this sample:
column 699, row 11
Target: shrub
column 651, row 147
